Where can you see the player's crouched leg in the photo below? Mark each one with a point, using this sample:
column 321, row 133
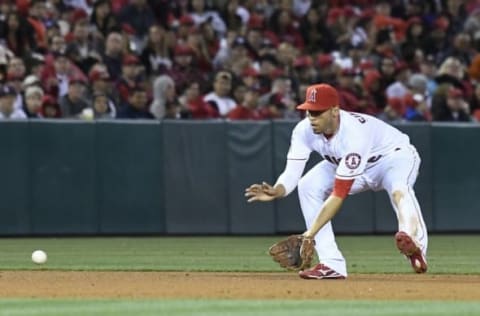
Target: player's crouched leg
column 411, row 238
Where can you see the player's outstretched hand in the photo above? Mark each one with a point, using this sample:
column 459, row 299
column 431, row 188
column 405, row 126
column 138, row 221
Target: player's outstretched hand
column 260, row 192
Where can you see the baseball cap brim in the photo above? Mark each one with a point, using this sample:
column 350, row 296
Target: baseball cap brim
column 312, row 107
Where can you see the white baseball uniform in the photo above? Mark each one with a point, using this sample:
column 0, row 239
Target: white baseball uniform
column 373, row 153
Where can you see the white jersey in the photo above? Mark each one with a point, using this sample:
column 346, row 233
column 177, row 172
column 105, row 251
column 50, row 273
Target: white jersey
column 360, row 141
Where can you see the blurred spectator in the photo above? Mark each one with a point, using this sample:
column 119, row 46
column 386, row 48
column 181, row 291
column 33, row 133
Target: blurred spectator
column 437, row 39
column 100, row 80
column 387, row 71
column 35, row 64
column 460, row 49
column 235, row 15
column 137, row 105
column 205, row 46
column 73, row 103
column 303, row 69
column 475, row 99
column 50, row 107
column 416, row 108
column 31, row 80
column 326, row 69
column 102, row 19
column 416, row 35
column 375, row 93
column 32, row 102
column 429, row 70
column 238, row 51
column 57, row 44
column 194, row 105
column 183, row 70
column 452, row 72
column 163, row 92
column 201, row 14
column 474, row 68
column 185, row 25
column 394, row 111
column 15, row 73
column 36, row 15
column 250, row 78
column 102, row 107
column 156, row 55
column 16, row 68
column 129, row 78
column 18, row 34
column 82, row 48
column 56, row 75
column 267, row 71
column 7, row 100
column 239, row 92
column 248, row 110
column 384, row 48
column 286, row 28
column 280, row 102
column 398, row 89
column 450, row 105
column 315, row 34
column 220, row 96
column 214, row 46
column 112, row 57
column 418, row 84
column 139, row 16
column 257, row 42
column 286, row 55
column 350, row 99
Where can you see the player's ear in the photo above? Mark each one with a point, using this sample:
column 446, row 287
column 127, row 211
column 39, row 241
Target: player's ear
column 336, row 111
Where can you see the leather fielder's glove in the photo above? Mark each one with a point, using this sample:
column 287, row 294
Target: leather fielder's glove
column 294, row 253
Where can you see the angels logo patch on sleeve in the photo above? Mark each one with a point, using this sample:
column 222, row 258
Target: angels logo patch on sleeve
column 353, row 160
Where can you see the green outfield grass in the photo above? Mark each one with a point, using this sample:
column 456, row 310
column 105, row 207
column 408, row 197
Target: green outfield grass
column 233, row 308
column 365, row 254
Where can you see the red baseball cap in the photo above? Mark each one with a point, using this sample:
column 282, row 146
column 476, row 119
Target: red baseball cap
column 320, row 97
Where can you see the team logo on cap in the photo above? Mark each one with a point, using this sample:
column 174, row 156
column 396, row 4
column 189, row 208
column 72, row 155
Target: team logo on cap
column 312, row 96
column 352, row 160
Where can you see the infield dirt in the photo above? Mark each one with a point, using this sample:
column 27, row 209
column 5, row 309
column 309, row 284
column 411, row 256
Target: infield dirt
column 147, row 285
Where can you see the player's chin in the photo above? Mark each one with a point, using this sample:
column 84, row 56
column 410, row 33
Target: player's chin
column 316, row 130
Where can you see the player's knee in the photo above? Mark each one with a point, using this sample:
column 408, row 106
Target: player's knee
column 397, row 196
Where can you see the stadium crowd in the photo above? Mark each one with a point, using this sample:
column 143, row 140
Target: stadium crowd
column 400, row 60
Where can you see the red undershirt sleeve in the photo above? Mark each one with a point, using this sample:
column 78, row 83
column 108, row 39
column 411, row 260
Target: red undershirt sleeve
column 342, row 187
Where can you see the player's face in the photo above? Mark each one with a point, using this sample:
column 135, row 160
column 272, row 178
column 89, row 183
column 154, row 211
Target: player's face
column 323, row 122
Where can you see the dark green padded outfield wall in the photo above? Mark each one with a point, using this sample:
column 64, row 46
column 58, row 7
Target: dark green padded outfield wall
column 188, row 177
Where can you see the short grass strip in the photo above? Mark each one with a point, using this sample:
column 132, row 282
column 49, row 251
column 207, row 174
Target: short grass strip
column 25, row 307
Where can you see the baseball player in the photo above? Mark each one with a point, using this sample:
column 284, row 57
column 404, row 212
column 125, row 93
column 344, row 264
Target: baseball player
column 360, row 153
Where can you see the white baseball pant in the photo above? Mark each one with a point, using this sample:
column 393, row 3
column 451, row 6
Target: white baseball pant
column 396, row 171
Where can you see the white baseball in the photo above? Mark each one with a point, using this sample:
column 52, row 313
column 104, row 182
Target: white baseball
column 39, row 256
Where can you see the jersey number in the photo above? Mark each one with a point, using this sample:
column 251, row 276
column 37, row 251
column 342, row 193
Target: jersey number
column 333, row 160
column 360, row 118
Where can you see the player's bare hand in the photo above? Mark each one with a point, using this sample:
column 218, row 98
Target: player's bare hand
column 260, row 192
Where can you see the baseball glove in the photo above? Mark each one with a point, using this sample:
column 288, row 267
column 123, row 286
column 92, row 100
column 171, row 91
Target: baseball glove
column 294, row 253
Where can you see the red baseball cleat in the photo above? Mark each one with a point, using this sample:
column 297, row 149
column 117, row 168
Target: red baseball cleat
column 407, row 246
column 320, row 271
